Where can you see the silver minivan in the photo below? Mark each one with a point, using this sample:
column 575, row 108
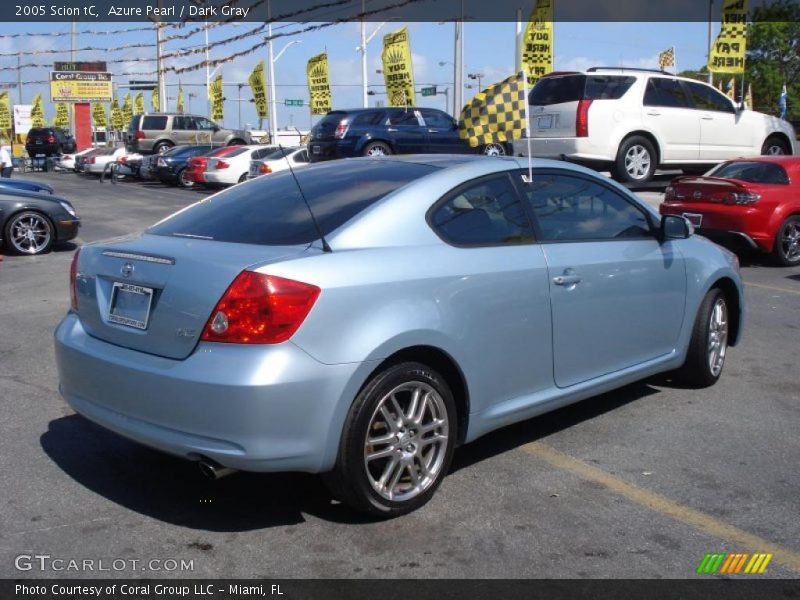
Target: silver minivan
column 158, row 132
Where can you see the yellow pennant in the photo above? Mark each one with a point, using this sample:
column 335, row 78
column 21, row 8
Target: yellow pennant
column 319, row 87
column 728, row 52
column 398, row 71
column 217, row 100
column 537, row 50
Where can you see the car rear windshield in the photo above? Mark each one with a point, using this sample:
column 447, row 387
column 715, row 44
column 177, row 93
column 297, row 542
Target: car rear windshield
column 36, row 131
column 752, row 172
column 571, row 88
column 270, row 210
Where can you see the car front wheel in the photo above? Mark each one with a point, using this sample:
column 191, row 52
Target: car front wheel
column 774, row 146
column 636, row 160
column 709, row 343
column 787, row 243
column 397, row 442
column 29, row 232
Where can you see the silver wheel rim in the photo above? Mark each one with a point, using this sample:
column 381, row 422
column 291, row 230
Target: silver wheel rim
column 775, row 150
column 717, row 337
column 376, row 151
column 494, row 150
column 185, row 181
column 30, row 234
column 406, row 442
column 163, row 148
column 790, row 241
column 637, row 161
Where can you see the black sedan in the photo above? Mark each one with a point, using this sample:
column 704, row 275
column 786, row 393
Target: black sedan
column 171, row 166
column 31, row 223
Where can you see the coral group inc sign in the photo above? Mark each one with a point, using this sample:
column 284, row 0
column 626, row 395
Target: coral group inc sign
column 80, row 86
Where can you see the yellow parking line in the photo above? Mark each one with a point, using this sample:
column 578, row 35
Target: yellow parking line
column 770, row 287
column 699, row 520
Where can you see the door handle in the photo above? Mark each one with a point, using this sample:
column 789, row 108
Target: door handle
column 567, row 280
column 707, row 118
column 654, row 113
column 391, row 129
column 433, row 131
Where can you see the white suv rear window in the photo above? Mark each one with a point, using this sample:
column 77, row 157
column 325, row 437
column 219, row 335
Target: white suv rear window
column 558, row 89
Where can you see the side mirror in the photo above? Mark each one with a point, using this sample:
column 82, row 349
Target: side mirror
column 674, row 227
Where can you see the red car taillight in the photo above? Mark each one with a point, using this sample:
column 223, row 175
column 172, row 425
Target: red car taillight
column 221, row 164
column 73, row 275
column 264, row 168
column 742, row 198
column 140, row 135
column 582, row 118
column 341, row 129
column 260, row 309
column 89, row 161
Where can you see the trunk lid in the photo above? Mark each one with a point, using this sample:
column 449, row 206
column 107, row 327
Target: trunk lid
column 181, row 279
column 700, row 190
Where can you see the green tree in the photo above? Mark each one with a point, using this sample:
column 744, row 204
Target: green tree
column 773, row 56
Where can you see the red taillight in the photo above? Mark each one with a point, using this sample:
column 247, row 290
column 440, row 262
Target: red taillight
column 582, row 118
column 260, row 309
column 139, row 134
column 264, row 168
column 90, row 160
column 51, row 139
column 73, row 286
column 341, row 129
column 221, row 164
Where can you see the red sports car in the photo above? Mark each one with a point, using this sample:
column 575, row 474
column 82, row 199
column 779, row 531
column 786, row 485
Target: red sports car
column 196, row 165
column 754, row 201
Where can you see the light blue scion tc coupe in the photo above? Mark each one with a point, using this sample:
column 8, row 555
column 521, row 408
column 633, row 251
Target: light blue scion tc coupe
column 396, row 308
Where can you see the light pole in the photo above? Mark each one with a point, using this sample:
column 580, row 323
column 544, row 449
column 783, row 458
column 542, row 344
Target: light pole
column 363, row 49
column 477, row 76
column 710, row 11
column 458, row 67
column 273, row 117
column 190, row 95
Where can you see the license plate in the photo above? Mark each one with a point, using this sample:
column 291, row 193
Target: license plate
column 130, row 305
column 544, row 122
column 38, row 142
column 693, row 218
column 253, row 171
column 316, row 150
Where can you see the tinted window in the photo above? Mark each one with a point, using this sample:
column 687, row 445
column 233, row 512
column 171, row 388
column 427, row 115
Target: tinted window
column 435, row 118
column 183, row 123
column 707, row 98
column 159, row 123
column 204, row 124
column 406, row 118
column 573, row 208
column 301, row 157
column 571, row 88
column 752, row 172
column 366, row 119
column 270, row 211
column 488, row 212
column 665, row 92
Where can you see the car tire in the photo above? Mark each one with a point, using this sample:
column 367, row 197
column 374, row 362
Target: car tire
column 162, row 147
column 494, row 150
column 29, row 232
column 708, row 346
column 243, row 178
column 408, row 411
column 786, row 251
column 775, row 146
column 183, row 179
column 636, row 160
column 377, row 149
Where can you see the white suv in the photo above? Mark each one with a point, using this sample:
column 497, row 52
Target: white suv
column 633, row 121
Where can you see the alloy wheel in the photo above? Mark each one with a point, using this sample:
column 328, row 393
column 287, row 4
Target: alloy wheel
column 407, row 441
column 637, row 162
column 790, row 241
column 717, row 336
column 775, row 150
column 30, row 233
column 494, row 150
column 376, row 151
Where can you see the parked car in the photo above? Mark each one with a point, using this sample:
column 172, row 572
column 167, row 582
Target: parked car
column 158, row 132
column 147, row 168
column 232, row 168
column 279, row 161
column 633, row 120
column 96, row 163
column 431, row 300
column 31, row 222
column 66, row 162
column 82, row 157
column 753, row 202
column 25, row 185
column 48, row 141
column 383, row 131
column 171, row 167
column 196, row 165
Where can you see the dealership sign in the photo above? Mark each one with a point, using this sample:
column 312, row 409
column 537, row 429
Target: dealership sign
column 80, row 86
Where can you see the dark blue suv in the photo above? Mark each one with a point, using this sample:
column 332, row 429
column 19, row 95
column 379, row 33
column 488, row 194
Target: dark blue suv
column 381, row 131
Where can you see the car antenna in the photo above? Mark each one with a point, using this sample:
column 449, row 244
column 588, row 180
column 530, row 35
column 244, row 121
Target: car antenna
column 325, row 246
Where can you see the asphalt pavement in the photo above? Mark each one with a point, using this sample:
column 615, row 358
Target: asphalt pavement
column 640, row 482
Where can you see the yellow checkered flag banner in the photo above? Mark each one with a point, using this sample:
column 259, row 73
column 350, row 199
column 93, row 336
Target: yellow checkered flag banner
column 495, row 115
column 666, row 58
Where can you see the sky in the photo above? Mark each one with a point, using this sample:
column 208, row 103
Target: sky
column 488, row 49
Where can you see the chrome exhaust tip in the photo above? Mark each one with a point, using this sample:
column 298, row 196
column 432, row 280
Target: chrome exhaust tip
column 213, row 470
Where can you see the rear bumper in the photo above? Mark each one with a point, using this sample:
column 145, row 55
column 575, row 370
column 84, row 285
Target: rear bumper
column 743, row 226
column 216, row 178
column 256, row 408
column 580, row 150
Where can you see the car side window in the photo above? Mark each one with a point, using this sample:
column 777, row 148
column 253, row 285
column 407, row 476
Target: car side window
column 204, row 124
column 707, row 98
column 570, row 208
column 488, row 212
column 434, row 118
column 366, row 119
column 406, row 118
column 662, row 91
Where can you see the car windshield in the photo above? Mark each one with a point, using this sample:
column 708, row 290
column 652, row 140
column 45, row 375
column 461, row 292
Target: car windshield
column 752, row 172
column 270, row 210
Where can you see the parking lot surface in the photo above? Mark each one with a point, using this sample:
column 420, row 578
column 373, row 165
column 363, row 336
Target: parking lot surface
column 640, row 482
